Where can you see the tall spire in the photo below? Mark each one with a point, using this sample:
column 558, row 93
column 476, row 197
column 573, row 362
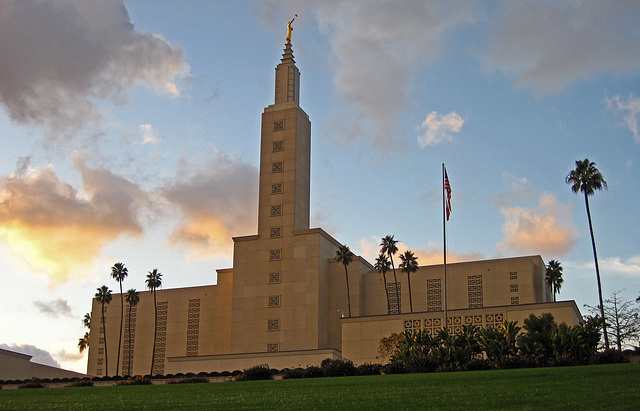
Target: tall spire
column 287, row 78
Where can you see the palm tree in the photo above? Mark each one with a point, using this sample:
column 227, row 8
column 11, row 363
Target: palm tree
column 83, row 343
column 86, row 321
column 132, row 298
column 119, row 272
column 384, row 266
column 345, row 256
column 389, row 247
column 153, row 281
column 103, row 296
column 409, row 265
column 553, row 277
column 587, row 179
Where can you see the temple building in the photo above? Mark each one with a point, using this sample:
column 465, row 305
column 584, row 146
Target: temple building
column 284, row 302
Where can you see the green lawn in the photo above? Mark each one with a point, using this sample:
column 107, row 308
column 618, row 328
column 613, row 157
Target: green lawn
column 590, row 387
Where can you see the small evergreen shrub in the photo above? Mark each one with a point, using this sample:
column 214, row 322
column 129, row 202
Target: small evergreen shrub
column 85, row 382
column 31, row 384
column 338, row 368
column 395, row 367
column 137, row 380
column 479, row 364
column 609, row 357
column 188, row 380
column 288, row 374
column 257, row 372
column 421, row 363
column 369, row 369
column 314, row 372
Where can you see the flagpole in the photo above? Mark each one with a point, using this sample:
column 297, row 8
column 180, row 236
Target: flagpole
column 444, row 235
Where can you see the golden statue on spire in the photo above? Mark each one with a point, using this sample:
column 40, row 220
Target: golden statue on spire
column 289, row 28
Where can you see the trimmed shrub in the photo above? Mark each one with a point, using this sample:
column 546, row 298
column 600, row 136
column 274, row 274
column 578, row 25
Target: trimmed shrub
column 288, row 374
column 369, row 369
column 31, row 384
column 421, row 363
column 338, row 368
column 609, row 357
column 479, row 364
column 314, row 372
column 188, row 380
column 395, row 367
column 257, row 372
column 81, row 383
column 137, row 380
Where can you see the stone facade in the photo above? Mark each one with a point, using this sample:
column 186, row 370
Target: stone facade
column 284, row 300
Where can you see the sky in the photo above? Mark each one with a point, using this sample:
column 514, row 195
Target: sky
column 130, row 133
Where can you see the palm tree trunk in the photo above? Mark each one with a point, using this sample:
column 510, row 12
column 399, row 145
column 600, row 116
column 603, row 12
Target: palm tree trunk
column 409, row 283
column 129, row 342
column 120, row 339
column 155, row 331
column 595, row 257
column 346, row 273
column 104, row 335
column 395, row 286
column 386, row 292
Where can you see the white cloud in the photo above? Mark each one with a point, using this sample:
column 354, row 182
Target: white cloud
column 54, row 308
column 629, row 267
column 547, row 45
column 439, row 128
column 431, row 254
column 630, row 111
column 148, row 134
column 60, row 58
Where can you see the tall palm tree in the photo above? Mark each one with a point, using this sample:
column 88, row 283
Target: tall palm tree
column 587, row 179
column 103, row 296
column 83, row 343
column 389, row 247
column 384, row 266
column 132, row 298
column 553, row 277
column 86, row 321
column 409, row 265
column 345, row 256
column 119, row 272
column 153, row 281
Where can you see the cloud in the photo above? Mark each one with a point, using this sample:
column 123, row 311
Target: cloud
column 65, row 356
column 54, row 308
column 58, row 230
column 148, row 134
column 377, row 46
column 217, row 199
column 543, row 229
column 60, row 58
column 629, row 267
column 630, row 110
column 548, row 45
column 38, row 355
column 432, row 254
column 439, row 128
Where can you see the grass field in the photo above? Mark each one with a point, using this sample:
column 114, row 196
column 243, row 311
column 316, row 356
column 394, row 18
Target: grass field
column 590, row 387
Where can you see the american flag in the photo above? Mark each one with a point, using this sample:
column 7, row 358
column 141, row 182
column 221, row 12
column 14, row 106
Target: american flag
column 447, row 188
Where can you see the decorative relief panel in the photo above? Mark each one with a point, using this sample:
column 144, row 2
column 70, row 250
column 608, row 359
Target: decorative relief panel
column 473, row 319
column 276, row 210
column 129, row 340
column 493, row 320
column 161, row 338
column 277, row 167
column 474, row 285
column 273, row 347
column 100, row 361
column 276, row 188
column 278, row 125
column 433, row 325
column 274, row 301
column 100, row 351
column 99, row 371
column 513, row 288
column 278, row 145
column 275, row 232
column 513, row 275
column 273, row 325
column 394, row 291
column 455, row 324
column 412, row 325
column 515, row 300
column 275, row 255
column 193, row 327
column 274, row 278
column 434, row 295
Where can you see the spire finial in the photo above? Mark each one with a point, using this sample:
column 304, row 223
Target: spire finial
column 289, row 29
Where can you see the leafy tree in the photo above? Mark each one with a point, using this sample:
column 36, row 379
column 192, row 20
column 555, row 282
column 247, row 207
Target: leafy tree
column 83, row 343
column 132, row 298
column 409, row 265
column 624, row 319
column 553, row 277
column 119, row 272
column 499, row 342
column 587, row 179
column 103, row 296
column 345, row 256
column 389, row 248
column 153, row 281
column 384, row 266
column 537, row 340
